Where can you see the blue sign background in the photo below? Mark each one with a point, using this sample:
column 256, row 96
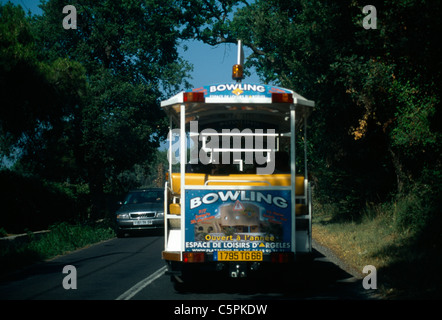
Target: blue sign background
column 240, row 89
column 238, row 220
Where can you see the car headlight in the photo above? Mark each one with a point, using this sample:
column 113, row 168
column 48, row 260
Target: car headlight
column 160, row 214
column 123, row 216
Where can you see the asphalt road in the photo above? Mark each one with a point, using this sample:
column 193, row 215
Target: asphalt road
column 131, row 269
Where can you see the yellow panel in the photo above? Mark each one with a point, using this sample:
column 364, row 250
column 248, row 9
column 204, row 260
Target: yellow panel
column 238, row 180
column 174, row 208
column 301, row 209
column 299, row 185
column 171, row 255
column 191, row 179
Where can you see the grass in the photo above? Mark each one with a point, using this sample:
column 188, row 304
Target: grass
column 357, row 242
column 63, row 238
column 407, row 268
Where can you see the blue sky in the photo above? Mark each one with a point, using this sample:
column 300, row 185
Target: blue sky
column 211, row 65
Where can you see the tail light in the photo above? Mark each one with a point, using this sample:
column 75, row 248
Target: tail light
column 193, row 97
column 282, row 257
column 282, row 97
column 192, row 257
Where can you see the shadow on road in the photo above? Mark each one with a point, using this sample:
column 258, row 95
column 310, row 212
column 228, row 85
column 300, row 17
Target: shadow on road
column 143, row 233
column 317, row 279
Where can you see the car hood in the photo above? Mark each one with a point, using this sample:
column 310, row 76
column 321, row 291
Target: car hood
column 140, row 207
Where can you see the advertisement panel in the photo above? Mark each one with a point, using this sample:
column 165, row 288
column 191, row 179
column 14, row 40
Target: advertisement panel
column 238, row 220
column 239, row 91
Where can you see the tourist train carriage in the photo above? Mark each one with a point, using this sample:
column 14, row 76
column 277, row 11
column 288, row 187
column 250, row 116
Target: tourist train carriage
column 237, row 195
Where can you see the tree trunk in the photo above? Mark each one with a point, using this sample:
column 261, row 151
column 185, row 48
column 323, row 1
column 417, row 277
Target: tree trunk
column 96, row 183
column 401, row 176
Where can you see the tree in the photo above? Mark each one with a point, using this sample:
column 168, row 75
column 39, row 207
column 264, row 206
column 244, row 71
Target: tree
column 128, row 50
column 21, row 111
column 37, row 97
column 376, row 125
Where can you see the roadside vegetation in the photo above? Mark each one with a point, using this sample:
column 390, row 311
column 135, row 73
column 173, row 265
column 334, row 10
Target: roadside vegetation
column 401, row 238
column 61, row 239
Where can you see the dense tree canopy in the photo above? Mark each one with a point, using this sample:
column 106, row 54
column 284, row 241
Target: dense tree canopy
column 377, row 91
column 83, row 104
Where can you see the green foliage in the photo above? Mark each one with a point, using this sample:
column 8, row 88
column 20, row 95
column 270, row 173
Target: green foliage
column 417, row 209
column 129, row 54
column 415, row 110
column 62, row 238
column 69, row 237
column 32, row 204
column 82, row 106
column 23, row 86
column 39, row 102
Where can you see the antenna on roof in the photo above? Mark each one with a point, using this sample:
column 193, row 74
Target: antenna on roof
column 238, row 69
column 240, row 59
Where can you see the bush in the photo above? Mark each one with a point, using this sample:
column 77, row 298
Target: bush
column 419, row 205
column 65, row 237
column 62, row 238
column 410, row 211
column 34, row 204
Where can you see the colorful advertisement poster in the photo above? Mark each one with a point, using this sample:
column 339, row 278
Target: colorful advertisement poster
column 238, row 220
column 239, row 90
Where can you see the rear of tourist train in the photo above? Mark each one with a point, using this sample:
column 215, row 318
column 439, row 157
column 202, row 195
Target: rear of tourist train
column 237, row 195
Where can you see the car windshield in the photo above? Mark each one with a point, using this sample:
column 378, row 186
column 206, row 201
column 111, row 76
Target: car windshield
column 144, row 197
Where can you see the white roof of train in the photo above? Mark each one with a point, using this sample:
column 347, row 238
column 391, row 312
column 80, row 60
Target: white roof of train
column 239, row 93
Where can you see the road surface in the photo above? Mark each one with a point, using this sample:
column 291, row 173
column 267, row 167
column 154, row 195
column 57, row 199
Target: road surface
column 131, row 269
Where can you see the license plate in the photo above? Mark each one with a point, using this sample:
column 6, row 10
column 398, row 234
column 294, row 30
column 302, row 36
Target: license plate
column 142, row 222
column 238, row 256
